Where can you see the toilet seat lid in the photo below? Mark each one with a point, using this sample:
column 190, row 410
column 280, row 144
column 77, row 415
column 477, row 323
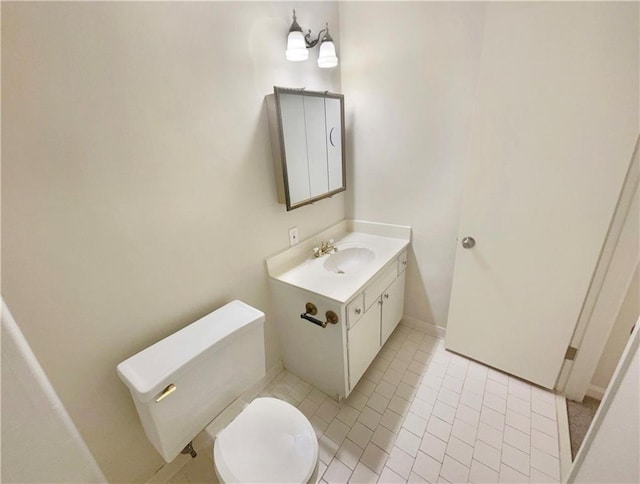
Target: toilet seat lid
column 270, row 441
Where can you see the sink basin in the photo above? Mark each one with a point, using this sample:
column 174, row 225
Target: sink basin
column 349, row 260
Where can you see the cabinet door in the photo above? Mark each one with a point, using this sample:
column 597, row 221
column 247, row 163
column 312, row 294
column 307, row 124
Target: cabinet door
column 314, row 118
column 364, row 343
column 334, row 142
column 392, row 306
column 295, row 146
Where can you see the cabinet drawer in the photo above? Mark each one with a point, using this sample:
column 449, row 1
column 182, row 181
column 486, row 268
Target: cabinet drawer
column 355, row 309
column 402, row 262
column 380, row 283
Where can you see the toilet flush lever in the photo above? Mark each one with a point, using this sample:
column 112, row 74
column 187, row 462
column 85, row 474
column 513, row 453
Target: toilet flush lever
column 166, row 392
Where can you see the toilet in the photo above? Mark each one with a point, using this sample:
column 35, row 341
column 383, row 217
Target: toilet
column 275, row 436
column 183, row 382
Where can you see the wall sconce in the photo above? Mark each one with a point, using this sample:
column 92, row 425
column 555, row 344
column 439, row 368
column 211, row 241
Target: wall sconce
column 298, row 43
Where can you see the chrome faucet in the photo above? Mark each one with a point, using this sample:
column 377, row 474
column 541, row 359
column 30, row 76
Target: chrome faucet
column 325, row 248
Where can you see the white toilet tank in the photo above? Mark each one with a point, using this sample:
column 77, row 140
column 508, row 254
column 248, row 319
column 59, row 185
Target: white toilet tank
column 210, row 363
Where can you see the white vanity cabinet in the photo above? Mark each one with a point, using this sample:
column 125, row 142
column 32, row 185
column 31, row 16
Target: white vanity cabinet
column 335, row 357
column 372, row 316
column 367, row 299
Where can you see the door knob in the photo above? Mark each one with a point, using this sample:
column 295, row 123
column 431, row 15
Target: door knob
column 468, row 242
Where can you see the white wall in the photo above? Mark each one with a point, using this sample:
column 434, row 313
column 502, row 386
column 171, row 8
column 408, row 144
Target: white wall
column 138, row 190
column 409, row 73
column 40, row 443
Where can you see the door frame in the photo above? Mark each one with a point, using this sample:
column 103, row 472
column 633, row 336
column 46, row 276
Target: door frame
column 621, row 370
column 609, row 284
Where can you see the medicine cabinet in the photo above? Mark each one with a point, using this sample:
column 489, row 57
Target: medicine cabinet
column 307, row 140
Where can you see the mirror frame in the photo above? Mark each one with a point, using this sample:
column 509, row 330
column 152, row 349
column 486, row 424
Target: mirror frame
column 304, row 92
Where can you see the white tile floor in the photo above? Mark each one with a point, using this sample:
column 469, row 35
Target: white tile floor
column 423, row 414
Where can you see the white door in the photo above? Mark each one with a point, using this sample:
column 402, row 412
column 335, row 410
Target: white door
column 552, row 137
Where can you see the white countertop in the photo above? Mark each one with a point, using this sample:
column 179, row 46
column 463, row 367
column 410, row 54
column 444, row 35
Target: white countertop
column 310, row 273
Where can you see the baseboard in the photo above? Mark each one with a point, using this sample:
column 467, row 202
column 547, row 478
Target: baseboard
column 429, row 328
column 203, row 439
column 253, row 391
column 594, row 391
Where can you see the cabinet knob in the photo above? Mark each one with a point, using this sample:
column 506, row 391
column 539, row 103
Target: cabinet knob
column 358, row 310
column 380, row 302
column 404, row 262
column 386, row 296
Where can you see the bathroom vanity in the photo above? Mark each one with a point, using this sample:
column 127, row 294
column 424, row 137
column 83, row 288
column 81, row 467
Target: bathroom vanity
column 334, row 312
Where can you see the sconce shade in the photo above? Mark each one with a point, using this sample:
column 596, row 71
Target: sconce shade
column 327, row 57
column 296, row 47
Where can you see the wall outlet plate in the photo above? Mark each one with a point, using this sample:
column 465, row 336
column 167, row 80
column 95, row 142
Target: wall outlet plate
column 293, row 236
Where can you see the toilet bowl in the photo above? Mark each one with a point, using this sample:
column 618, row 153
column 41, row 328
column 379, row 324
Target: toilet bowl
column 182, row 383
column 270, row 441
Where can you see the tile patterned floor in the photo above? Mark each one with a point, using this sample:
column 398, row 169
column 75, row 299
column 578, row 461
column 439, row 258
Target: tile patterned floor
column 423, row 414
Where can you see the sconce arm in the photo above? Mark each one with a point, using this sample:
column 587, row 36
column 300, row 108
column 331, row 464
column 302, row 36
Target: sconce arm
column 312, row 43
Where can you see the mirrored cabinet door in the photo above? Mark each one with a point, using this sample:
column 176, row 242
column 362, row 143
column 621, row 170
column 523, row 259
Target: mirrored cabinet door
column 314, row 114
column 294, row 135
column 307, row 138
column 333, row 109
